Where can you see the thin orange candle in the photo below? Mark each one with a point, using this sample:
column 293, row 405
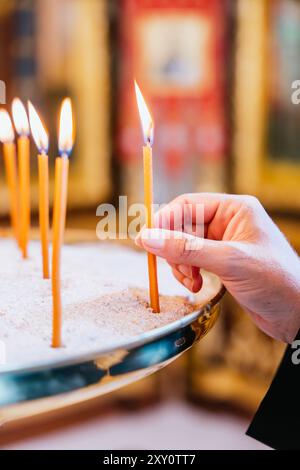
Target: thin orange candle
column 7, row 137
column 22, row 127
column 41, row 139
column 147, row 127
column 59, row 214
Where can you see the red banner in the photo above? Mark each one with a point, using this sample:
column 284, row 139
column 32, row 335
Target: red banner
column 176, row 52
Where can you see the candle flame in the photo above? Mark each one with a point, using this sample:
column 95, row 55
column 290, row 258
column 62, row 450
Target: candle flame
column 7, row 134
column 145, row 116
column 20, row 117
column 65, row 139
column 39, row 133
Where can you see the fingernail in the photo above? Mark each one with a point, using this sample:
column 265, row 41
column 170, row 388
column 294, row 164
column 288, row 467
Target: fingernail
column 152, row 239
column 138, row 241
column 187, row 283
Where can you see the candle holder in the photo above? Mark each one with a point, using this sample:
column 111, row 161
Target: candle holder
column 49, row 385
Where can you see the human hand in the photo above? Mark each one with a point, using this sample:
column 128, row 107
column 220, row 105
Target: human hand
column 242, row 245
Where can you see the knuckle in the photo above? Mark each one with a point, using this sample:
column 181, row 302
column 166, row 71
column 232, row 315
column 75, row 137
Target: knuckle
column 186, row 252
column 250, row 205
column 179, row 199
column 251, row 201
column 230, row 251
column 187, row 195
column 233, row 252
column 187, row 198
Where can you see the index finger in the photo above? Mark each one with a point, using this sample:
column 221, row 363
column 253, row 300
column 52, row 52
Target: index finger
column 200, row 214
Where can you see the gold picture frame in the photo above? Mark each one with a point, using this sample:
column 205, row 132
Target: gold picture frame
column 275, row 182
column 80, row 64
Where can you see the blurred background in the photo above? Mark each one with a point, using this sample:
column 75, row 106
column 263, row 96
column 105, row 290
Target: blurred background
column 217, row 75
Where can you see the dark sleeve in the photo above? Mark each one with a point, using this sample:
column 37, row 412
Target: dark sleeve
column 277, row 421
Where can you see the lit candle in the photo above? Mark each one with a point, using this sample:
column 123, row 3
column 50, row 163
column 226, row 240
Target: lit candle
column 22, row 128
column 65, row 144
column 147, row 127
column 7, row 137
column 41, row 139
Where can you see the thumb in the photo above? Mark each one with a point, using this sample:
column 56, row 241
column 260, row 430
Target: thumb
column 183, row 248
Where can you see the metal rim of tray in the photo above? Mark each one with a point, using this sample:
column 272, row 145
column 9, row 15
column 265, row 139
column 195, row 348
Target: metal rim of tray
column 107, row 369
